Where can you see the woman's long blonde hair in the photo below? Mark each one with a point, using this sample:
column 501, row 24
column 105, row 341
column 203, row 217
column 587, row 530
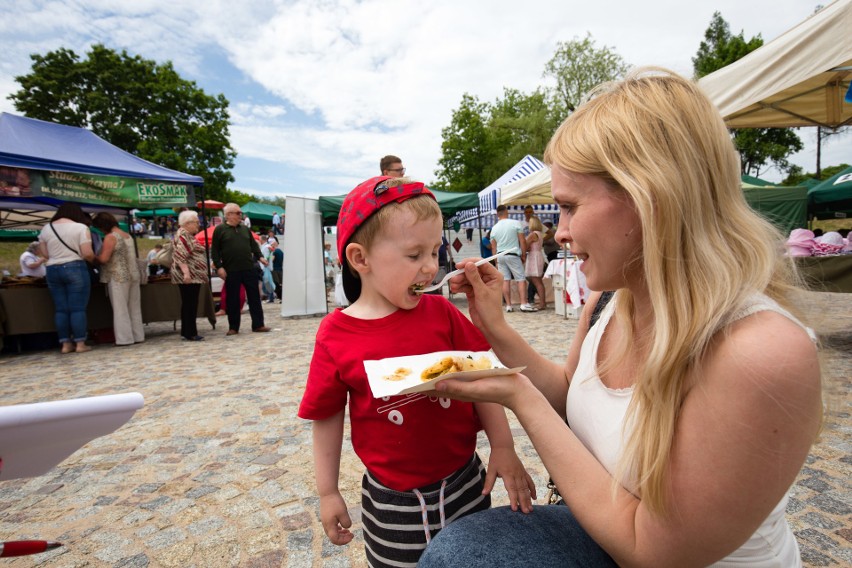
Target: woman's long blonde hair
column 656, row 137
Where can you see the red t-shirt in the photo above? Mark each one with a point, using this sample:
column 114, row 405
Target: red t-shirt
column 405, row 441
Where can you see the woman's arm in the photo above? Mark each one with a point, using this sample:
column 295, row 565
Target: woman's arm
column 483, row 287
column 742, row 435
column 106, row 250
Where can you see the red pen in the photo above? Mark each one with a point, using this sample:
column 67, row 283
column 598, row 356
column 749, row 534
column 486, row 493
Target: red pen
column 24, row 547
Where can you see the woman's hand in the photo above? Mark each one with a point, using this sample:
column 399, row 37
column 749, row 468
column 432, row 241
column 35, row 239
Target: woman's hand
column 506, row 390
column 483, row 286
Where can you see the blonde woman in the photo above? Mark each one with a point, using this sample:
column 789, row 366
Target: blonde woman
column 534, row 263
column 693, row 400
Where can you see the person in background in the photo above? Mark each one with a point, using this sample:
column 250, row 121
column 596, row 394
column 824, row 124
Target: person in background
column 469, row 234
column 391, row 166
column 276, row 256
column 508, row 234
column 549, row 245
column 680, row 419
column 485, row 245
column 31, row 263
column 189, row 272
column 422, row 467
column 120, row 272
column 234, row 253
column 66, row 243
column 153, row 267
column 276, row 221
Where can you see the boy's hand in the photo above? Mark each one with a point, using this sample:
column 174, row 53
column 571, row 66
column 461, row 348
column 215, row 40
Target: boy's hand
column 335, row 519
column 519, row 485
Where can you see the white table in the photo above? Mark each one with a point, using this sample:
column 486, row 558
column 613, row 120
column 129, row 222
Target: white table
column 568, row 277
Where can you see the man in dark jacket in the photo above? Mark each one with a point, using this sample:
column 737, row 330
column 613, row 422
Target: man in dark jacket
column 234, row 252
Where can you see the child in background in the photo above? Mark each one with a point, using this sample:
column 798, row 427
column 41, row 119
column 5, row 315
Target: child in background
column 419, row 450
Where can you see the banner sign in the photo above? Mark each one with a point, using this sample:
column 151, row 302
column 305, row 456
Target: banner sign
column 102, row 190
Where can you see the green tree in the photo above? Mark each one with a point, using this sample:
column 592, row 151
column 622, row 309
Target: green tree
column 757, row 146
column 486, row 139
column 578, row 66
column 518, row 125
column 466, row 148
column 140, row 106
column 798, row 176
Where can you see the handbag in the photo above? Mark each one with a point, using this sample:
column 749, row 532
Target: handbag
column 339, row 293
column 166, row 256
column 94, row 276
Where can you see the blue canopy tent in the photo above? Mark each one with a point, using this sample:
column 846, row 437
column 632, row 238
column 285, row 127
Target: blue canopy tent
column 43, row 164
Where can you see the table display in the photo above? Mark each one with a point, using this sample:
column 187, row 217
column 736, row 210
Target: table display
column 827, row 273
column 570, row 283
column 30, row 309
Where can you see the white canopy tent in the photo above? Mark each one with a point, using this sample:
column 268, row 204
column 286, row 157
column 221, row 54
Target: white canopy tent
column 491, row 196
column 798, row 79
column 533, row 189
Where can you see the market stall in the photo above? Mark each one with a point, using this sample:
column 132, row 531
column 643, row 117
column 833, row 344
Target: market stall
column 29, row 309
column 42, row 165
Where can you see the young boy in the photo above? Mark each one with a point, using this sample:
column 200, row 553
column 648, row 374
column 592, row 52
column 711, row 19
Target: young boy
column 419, row 450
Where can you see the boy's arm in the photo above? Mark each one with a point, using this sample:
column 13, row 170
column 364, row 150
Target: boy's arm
column 504, row 462
column 328, row 438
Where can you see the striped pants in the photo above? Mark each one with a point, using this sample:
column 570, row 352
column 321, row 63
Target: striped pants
column 399, row 524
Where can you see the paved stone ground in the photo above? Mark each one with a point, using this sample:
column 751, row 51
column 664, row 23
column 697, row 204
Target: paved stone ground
column 215, row 470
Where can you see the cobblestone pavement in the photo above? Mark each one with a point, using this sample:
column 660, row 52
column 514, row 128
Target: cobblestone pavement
column 216, row 470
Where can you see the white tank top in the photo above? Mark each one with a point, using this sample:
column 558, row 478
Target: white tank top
column 596, row 415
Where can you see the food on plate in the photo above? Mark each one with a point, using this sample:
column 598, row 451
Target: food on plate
column 453, row 365
column 398, row 375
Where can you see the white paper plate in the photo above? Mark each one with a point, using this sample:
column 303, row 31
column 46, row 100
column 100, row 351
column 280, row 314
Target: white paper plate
column 382, row 387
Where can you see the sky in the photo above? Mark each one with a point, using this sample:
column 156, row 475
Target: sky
column 320, row 90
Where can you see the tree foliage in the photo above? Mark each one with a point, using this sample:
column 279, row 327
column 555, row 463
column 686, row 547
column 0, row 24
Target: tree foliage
column 798, row 176
column 578, row 66
column 466, row 148
column 484, row 140
column 757, row 146
column 721, row 48
column 140, row 106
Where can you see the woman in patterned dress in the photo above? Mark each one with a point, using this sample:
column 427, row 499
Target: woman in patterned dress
column 189, row 272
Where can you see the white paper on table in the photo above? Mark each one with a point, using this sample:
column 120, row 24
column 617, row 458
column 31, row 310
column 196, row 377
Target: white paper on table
column 36, row 437
column 377, row 370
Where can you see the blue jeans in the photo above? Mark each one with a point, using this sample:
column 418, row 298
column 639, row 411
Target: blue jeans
column 549, row 536
column 70, row 285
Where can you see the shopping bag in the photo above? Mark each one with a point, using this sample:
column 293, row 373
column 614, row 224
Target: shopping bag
column 339, row 293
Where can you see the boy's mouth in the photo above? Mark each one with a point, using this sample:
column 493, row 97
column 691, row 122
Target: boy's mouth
column 416, row 288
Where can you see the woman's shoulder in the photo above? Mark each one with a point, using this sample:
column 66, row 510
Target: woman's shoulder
column 765, row 350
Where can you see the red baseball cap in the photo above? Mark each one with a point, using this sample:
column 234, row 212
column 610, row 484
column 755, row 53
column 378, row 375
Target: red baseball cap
column 368, row 197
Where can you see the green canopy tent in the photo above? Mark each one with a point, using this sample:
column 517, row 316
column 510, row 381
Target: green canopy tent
column 751, row 180
column 449, row 202
column 832, row 199
column 785, row 207
column 261, row 211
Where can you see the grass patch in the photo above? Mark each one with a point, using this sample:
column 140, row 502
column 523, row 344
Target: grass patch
column 10, row 253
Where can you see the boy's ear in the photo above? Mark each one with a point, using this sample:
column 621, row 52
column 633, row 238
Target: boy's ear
column 356, row 256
